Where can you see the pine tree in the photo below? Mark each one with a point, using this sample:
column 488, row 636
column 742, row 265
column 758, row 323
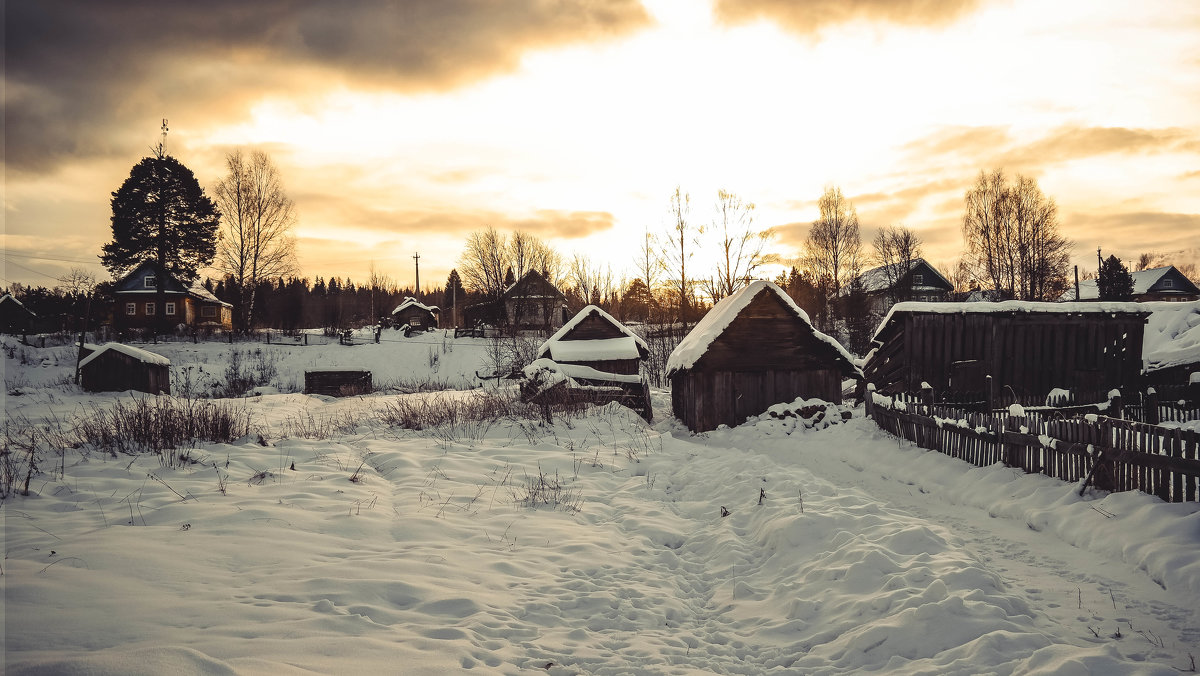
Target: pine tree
column 1114, row 280
column 454, row 298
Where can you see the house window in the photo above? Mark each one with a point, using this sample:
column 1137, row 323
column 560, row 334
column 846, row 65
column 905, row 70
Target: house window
column 208, row 311
column 131, row 309
column 149, row 308
column 170, row 308
column 1168, row 283
column 918, row 279
column 150, row 282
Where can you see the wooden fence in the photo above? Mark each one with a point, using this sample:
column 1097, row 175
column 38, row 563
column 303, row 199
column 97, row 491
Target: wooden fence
column 1110, row 453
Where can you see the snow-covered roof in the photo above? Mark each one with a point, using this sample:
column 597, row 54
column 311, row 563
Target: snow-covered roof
column 573, row 371
column 882, row 277
column 1143, row 281
column 555, row 343
column 9, row 297
column 412, row 302
column 128, row 350
column 1172, row 335
column 696, row 343
column 1013, row 306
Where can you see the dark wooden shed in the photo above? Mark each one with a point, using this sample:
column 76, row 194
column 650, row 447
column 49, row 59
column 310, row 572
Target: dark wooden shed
column 754, row 349
column 14, row 316
column 114, row 367
column 1027, row 348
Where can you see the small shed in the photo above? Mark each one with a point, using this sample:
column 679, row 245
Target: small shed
column 754, row 349
column 14, row 316
column 1027, row 348
column 418, row 316
column 594, row 338
column 114, row 367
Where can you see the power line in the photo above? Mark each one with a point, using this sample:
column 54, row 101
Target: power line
column 29, row 269
column 51, row 258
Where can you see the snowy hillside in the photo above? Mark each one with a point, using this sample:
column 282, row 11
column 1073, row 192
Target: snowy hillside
column 333, row 539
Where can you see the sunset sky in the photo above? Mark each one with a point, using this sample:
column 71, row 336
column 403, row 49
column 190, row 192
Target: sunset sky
column 400, row 127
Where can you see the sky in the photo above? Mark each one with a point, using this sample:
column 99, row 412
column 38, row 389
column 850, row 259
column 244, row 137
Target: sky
column 399, row 127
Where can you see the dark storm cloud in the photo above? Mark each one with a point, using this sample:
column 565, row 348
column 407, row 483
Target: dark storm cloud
column 79, row 70
column 810, row 16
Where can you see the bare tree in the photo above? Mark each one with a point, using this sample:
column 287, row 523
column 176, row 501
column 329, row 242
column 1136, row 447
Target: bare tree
column 896, row 250
column 257, row 222
column 483, row 262
column 1149, row 260
column 78, row 282
column 677, row 246
column 740, row 248
column 833, row 249
column 1011, row 237
column 649, row 260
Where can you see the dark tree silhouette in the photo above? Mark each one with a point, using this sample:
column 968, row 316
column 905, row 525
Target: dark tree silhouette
column 1114, row 280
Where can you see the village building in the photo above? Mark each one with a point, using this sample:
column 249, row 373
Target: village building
column 1028, row 349
column 114, row 367
column 1156, row 284
column 754, row 349
column 1171, row 350
column 890, row 284
column 15, row 318
column 534, row 304
column 416, row 315
column 136, row 306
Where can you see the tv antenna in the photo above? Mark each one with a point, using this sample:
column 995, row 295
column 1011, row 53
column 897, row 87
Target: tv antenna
column 162, row 144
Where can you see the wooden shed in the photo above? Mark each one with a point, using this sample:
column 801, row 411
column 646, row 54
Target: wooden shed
column 14, row 316
column 114, row 367
column 594, row 338
column 416, row 315
column 1027, row 348
column 754, row 349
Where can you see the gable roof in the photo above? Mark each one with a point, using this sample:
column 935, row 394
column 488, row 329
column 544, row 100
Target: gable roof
column 696, row 343
column 532, row 277
column 631, row 346
column 410, row 302
column 879, row 279
column 127, row 285
column 1143, row 282
column 128, row 350
column 8, row 297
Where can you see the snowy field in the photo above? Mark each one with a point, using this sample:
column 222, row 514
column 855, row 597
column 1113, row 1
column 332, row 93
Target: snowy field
column 332, row 540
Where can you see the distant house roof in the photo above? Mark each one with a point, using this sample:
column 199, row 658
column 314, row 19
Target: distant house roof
column 1012, row 307
column 882, row 278
column 696, row 343
column 627, row 346
column 1144, row 281
column 1172, row 335
column 8, row 297
column 521, row 287
column 410, row 302
column 128, row 350
column 127, row 284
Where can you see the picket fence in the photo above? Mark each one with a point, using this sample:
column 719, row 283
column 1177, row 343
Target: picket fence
column 1105, row 452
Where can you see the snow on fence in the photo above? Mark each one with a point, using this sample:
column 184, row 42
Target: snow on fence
column 1109, row 453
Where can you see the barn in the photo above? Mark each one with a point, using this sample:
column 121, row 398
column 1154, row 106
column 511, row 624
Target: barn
column 754, row 349
column 418, row 316
column 1027, row 348
column 14, row 316
column 114, row 367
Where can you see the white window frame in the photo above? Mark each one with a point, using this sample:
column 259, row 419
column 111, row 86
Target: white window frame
column 149, row 309
column 131, row 309
column 150, row 282
column 918, row 279
column 169, row 306
column 208, row 311
column 1168, row 284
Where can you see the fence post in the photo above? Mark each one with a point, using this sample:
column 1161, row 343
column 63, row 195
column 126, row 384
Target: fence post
column 989, row 396
column 1115, row 408
column 1012, row 452
column 927, row 397
column 869, row 400
column 1150, row 415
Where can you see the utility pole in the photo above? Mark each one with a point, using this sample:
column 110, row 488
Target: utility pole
column 417, row 258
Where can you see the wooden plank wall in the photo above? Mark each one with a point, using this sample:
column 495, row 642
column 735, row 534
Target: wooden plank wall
column 337, row 383
column 1125, row 455
column 117, row 372
column 704, row 400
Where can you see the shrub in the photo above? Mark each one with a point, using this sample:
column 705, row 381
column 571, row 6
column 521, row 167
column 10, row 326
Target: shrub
column 158, row 424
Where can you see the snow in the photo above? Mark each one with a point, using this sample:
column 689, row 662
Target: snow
column 556, row 341
column 1172, row 335
column 579, row 371
column 389, row 550
column 594, row 350
column 713, row 324
column 409, row 301
column 128, row 350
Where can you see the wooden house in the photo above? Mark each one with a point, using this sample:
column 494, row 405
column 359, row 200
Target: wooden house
column 754, row 349
column 136, row 307
column 417, row 316
column 114, row 367
column 887, row 285
column 1027, row 348
column 14, row 316
column 534, row 304
column 1157, row 284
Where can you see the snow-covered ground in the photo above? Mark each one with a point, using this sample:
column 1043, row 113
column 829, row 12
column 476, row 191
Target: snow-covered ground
column 387, row 550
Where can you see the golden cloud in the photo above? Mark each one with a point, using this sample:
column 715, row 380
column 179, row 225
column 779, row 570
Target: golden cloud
column 808, row 17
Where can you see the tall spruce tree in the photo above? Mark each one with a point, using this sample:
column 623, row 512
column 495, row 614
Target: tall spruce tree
column 1114, row 280
column 161, row 213
column 454, row 299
